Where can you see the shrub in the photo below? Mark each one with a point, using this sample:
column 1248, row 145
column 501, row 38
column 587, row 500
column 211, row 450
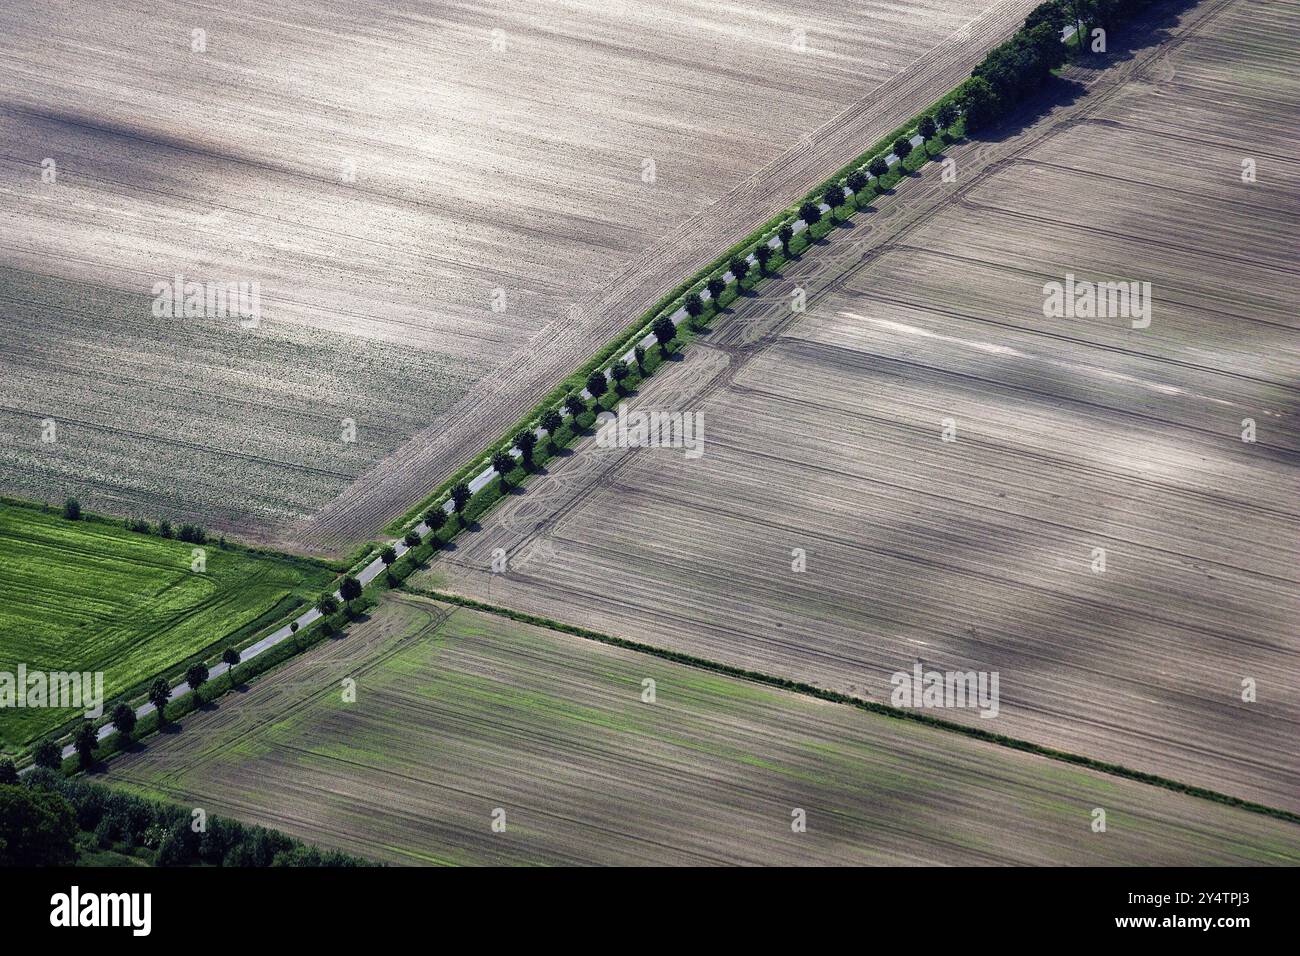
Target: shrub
column 192, row 534
column 72, row 509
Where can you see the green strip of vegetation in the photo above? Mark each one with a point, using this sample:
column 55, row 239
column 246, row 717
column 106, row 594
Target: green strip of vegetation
column 884, row 710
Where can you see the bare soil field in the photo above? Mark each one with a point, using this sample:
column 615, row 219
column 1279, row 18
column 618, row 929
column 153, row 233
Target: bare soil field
column 824, row 433
column 459, row 714
column 444, row 207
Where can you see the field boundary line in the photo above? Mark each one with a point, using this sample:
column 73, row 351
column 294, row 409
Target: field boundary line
column 872, row 707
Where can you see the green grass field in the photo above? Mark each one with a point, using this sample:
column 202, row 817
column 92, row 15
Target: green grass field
column 91, row 596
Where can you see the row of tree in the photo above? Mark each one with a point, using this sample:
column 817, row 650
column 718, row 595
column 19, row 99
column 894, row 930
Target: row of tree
column 48, row 754
column 1016, row 69
column 1008, row 74
column 1084, row 14
column 664, row 329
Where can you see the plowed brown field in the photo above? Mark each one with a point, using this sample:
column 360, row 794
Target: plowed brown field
column 381, row 173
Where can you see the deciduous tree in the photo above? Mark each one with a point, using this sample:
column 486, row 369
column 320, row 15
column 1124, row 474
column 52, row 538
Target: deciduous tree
column 460, row 495
column 159, row 695
column 665, row 332
column 503, row 463
column 86, row 741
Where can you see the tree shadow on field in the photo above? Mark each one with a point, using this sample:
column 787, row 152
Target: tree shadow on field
column 1059, row 93
column 104, row 137
column 360, row 617
column 1150, row 28
column 1143, row 32
column 132, row 747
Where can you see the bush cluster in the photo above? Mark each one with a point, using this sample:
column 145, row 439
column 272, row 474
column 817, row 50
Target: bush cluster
column 128, row 823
